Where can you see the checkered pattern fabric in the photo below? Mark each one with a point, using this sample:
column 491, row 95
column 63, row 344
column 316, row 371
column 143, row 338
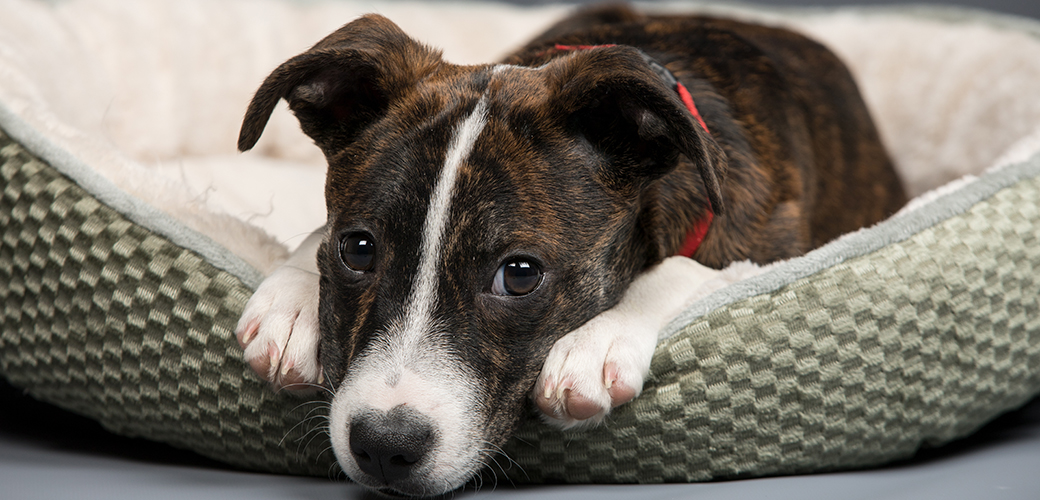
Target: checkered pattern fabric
column 862, row 363
column 916, row 344
column 105, row 318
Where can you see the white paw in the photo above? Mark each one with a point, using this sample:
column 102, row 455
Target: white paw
column 279, row 330
column 593, row 369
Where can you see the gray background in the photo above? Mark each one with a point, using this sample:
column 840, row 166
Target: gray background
column 47, row 453
column 1029, row 8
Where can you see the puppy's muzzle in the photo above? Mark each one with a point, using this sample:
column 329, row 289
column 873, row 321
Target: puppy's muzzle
column 389, row 446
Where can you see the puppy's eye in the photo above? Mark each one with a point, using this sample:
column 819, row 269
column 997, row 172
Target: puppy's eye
column 517, row 277
column 358, row 251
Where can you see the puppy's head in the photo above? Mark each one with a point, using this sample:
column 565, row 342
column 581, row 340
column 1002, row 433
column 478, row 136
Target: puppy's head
column 476, row 215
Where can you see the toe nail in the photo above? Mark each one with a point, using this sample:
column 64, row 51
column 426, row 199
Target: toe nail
column 272, row 357
column 564, row 387
column 610, row 375
column 246, row 335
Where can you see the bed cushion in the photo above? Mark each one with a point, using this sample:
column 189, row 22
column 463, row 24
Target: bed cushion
column 119, row 304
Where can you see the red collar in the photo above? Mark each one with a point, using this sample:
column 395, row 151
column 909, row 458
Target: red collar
column 695, row 236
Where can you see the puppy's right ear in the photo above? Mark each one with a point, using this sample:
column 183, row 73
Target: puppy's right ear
column 342, row 84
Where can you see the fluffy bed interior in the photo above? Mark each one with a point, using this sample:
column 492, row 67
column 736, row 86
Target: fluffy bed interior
column 151, row 93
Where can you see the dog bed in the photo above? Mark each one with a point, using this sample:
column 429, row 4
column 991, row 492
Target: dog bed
column 132, row 237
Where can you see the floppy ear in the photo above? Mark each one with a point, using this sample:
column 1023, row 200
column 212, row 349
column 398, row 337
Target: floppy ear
column 612, row 97
column 342, row 84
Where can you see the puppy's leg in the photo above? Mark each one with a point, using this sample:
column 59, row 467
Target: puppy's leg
column 603, row 363
column 279, row 328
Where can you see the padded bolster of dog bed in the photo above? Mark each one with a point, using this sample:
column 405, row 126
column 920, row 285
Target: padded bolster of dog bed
column 911, row 333
column 862, row 362
column 858, row 363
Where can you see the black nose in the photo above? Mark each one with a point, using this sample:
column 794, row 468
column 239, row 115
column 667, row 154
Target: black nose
column 389, row 446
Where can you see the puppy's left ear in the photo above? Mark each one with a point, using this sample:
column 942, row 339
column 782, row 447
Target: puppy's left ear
column 614, row 99
column 342, row 84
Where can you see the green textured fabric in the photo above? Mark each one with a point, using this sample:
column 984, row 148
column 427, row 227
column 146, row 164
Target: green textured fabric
column 918, row 343
column 104, row 318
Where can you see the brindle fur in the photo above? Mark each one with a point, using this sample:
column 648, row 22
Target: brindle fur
column 806, row 163
column 590, row 167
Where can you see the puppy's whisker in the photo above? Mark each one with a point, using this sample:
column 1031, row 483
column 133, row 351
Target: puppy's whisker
column 310, row 414
column 328, row 384
column 492, row 450
column 321, row 405
column 306, row 385
column 491, row 470
column 317, row 402
column 324, row 451
column 309, row 417
column 320, row 411
column 494, row 474
column 332, row 474
column 316, row 434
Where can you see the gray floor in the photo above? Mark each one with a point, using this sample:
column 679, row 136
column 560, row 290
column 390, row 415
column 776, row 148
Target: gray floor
column 46, row 453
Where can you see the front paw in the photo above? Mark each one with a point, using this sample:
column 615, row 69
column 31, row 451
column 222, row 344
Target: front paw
column 593, row 369
column 279, row 330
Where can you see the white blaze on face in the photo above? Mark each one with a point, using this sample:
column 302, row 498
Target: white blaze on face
column 409, row 363
column 424, row 290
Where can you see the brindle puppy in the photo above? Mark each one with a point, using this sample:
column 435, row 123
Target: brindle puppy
column 477, row 214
